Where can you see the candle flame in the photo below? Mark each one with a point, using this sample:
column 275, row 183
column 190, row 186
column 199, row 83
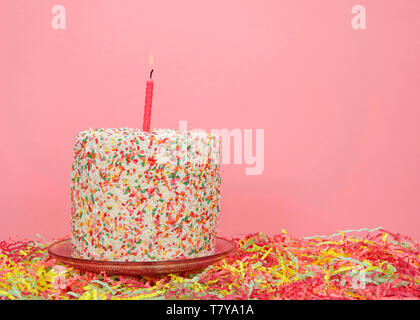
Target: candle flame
column 151, row 60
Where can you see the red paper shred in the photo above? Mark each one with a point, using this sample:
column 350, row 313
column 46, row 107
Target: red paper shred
column 353, row 264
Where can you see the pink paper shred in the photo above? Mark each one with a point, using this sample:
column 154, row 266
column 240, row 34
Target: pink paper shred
column 353, row 264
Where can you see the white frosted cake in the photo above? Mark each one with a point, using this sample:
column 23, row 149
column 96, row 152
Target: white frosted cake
column 139, row 196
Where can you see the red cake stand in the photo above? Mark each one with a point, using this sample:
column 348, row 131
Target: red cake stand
column 62, row 252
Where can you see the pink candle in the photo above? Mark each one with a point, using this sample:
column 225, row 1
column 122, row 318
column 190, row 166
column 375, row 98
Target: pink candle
column 148, row 101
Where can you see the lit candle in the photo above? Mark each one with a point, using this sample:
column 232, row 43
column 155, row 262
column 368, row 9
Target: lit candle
column 148, row 99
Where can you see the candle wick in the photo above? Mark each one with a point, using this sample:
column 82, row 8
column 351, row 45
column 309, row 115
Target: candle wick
column 151, row 72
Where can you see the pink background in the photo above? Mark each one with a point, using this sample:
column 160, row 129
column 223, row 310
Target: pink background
column 340, row 107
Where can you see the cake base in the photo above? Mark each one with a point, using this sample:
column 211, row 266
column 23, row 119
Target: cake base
column 62, row 252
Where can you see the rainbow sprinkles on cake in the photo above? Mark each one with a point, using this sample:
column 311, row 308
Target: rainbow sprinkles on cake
column 144, row 196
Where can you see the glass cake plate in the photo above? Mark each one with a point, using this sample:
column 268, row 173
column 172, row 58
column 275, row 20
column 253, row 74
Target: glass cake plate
column 62, row 252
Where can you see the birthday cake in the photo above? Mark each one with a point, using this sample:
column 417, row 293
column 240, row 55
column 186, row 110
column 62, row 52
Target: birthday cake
column 144, row 196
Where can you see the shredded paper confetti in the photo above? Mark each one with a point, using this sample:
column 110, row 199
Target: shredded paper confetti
column 353, row 264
